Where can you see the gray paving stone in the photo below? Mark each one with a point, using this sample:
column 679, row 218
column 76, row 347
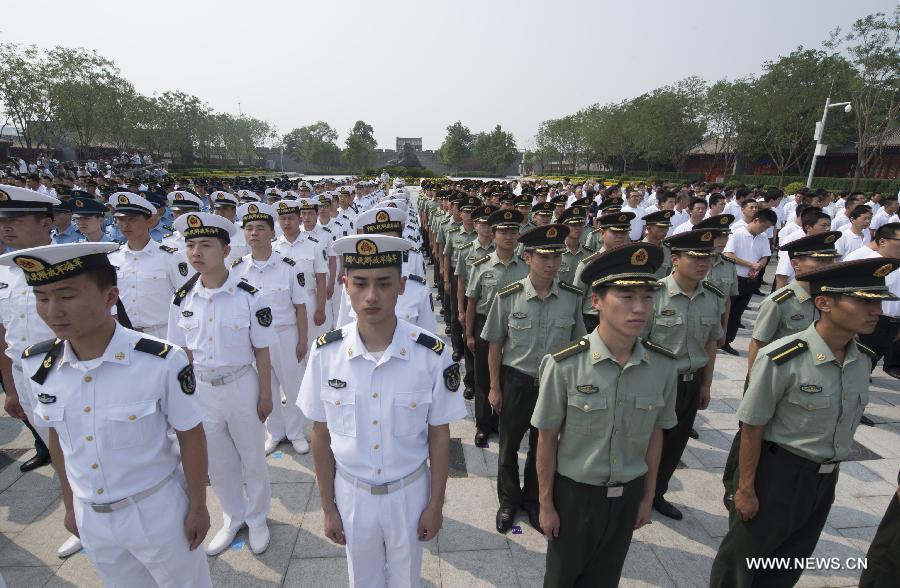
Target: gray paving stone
column 642, row 568
column 14, row 435
column 311, row 541
column 26, row 577
column 683, row 548
column 241, row 567
column 36, row 544
column 857, row 479
column 289, row 503
column 469, row 513
column 321, row 571
column 485, row 567
column 832, row 544
column 700, row 491
column 76, row 571
column 19, row 508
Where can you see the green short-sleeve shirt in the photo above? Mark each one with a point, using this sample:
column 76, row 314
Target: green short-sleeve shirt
column 457, row 239
column 685, row 323
column 786, row 311
column 469, row 253
column 605, row 412
column 490, row 276
column 723, row 275
column 529, row 327
column 586, row 306
column 570, row 263
column 808, row 403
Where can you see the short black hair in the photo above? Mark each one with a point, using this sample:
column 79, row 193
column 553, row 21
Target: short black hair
column 104, row 277
column 859, row 211
column 811, row 216
column 766, row 215
column 887, row 231
column 667, row 195
column 696, row 200
column 715, row 198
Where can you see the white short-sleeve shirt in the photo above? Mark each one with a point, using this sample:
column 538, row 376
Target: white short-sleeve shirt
column 748, row 247
column 279, row 285
column 147, row 280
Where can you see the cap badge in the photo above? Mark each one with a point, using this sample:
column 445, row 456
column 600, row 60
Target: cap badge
column 79, row 203
column 382, row 217
column 883, row 270
column 179, row 196
column 3, row 196
column 552, row 232
column 507, row 215
column 639, row 257
column 366, row 247
column 282, row 205
column 623, row 218
column 707, row 236
column 830, row 238
column 253, row 209
column 30, row 264
column 193, row 221
column 724, row 220
column 123, row 199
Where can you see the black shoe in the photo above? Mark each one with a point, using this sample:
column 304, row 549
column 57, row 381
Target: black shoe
column 447, row 330
column 34, row 463
column 481, row 439
column 727, row 348
column 666, row 508
column 505, row 519
column 457, row 355
column 728, row 500
column 534, row 516
column 893, row 372
column 694, row 434
column 758, row 292
column 469, row 393
column 864, row 420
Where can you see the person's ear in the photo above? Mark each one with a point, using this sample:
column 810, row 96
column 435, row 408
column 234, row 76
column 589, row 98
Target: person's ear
column 824, row 304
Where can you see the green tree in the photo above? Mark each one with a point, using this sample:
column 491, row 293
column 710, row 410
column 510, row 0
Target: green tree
column 495, row 150
column 314, row 144
column 26, row 93
column 359, row 153
column 726, row 112
column 457, row 146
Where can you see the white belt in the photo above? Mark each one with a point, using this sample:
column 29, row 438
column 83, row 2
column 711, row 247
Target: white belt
column 284, row 328
column 379, row 489
column 226, row 379
column 111, row 507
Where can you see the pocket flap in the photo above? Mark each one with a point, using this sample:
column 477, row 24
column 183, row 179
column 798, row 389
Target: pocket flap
column 338, row 397
column 809, row 401
column 649, row 403
column 131, row 412
column 49, row 413
column 412, row 399
column 586, row 403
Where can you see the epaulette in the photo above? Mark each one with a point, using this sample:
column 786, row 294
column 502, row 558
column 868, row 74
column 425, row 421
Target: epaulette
column 511, row 289
column 183, row 291
column 435, row 345
column 416, row 278
column 714, row 289
column 455, row 230
column 571, row 288
column 574, row 348
column 481, row 260
column 330, row 337
column 289, row 261
column 326, row 229
column 589, row 258
column 782, row 296
column 54, row 348
column 237, row 262
column 728, row 259
column 168, row 228
column 586, row 248
column 868, row 351
column 247, row 287
column 42, row 347
column 153, row 347
column 168, row 249
column 595, row 231
column 167, row 235
column 466, row 246
column 313, row 239
column 659, row 348
column 789, row 351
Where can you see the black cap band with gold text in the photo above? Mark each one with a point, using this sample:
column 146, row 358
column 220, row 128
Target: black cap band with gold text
column 39, row 273
column 367, row 256
column 196, row 230
column 383, row 224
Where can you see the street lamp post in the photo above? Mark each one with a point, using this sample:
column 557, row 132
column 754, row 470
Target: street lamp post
column 820, row 131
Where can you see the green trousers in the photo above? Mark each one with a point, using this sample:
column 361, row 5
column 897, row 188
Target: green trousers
column 883, row 559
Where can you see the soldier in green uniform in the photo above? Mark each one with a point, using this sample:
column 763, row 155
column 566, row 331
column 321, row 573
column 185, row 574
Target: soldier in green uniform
column 457, row 237
column 613, row 230
column 523, row 205
column 686, row 319
column 799, row 413
column 527, row 319
column 542, row 213
column 487, row 276
column 609, row 206
column 656, row 227
column 603, row 404
column 573, row 217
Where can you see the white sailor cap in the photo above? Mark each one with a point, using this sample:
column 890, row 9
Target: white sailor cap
column 184, row 200
column 52, row 263
column 380, row 220
column 131, row 203
column 220, row 198
column 15, row 201
column 371, row 251
column 195, row 225
column 249, row 196
column 256, row 211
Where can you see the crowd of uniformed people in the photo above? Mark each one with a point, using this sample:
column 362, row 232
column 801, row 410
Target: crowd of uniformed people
column 181, row 330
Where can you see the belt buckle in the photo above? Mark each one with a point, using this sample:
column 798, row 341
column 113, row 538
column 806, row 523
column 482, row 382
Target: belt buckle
column 614, row 491
column 379, row 490
column 220, row 381
column 827, row 468
column 102, row 508
column 687, row 377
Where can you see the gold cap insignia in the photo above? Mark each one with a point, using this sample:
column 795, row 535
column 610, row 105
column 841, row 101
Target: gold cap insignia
column 79, row 204
column 3, row 196
column 639, row 257
column 382, row 217
column 552, row 232
column 253, row 209
column 366, row 247
column 193, row 221
column 507, row 215
column 724, row 220
column 123, row 199
column 883, row 270
column 282, row 205
column 179, row 196
column 707, row 236
column 30, row 264
column 830, row 238
column 623, row 218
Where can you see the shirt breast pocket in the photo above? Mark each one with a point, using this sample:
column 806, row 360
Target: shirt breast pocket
column 51, row 415
column 561, row 331
column 643, row 417
column 519, row 330
column 810, row 411
column 668, row 321
column 410, row 412
column 235, row 331
column 191, row 328
column 340, row 411
column 128, row 425
column 585, row 413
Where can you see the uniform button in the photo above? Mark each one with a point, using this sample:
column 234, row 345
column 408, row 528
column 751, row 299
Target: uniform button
column 376, row 446
column 621, row 403
column 99, row 490
column 413, row 405
column 87, row 409
column 587, row 407
column 809, row 406
column 378, row 471
column 89, row 438
column 337, row 402
column 46, row 418
column 649, row 407
column 375, row 422
column 375, row 395
column 21, row 316
column 94, row 466
column 88, row 378
column 615, row 460
column 131, row 417
column 210, row 338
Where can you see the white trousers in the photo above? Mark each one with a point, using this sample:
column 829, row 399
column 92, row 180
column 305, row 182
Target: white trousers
column 336, row 302
column 144, row 545
column 28, row 399
column 383, row 547
column 235, row 441
column 313, row 330
column 286, row 420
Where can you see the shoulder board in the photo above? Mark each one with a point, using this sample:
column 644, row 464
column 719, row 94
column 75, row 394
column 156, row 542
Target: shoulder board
column 237, row 262
column 571, row 288
column 313, row 239
column 42, row 347
column 481, row 260
column 728, row 259
column 168, row 249
column 595, row 231
column 511, row 289
column 330, row 337
column 289, row 261
column 573, row 348
column 586, row 248
column 789, row 351
column 153, row 347
column 168, row 228
column 868, row 351
column 326, row 229
column 167, row 235
column 714, row 289
column 54, row 351
column 455, row 230
column 782, row 296
column 466, row 246
column 183, row 291
column 659, row 348
column 589, row 258
column 430, row 342
column 416, row 278
column 247, row 287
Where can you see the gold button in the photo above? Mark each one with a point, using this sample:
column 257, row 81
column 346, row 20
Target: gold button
column 809, row 406
column 615, row 460
column 649, row 407
column 131, row 417
column 587, row 407
column 94, row 466
column 87, row 409
column 99, row 490
column 89, row 438
column 46, row 418
column 376, row 446
column 413, row 405
column 620, row 403
column 337, row 402
column 88, row 378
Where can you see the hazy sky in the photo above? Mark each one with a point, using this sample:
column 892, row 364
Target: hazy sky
column 410, row 68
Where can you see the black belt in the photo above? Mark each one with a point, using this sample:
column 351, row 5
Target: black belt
column 416, row 278
column 687, row 376
column 827, row 467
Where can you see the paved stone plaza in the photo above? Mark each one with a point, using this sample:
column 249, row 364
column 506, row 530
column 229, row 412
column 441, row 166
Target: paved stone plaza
column 469, row 552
